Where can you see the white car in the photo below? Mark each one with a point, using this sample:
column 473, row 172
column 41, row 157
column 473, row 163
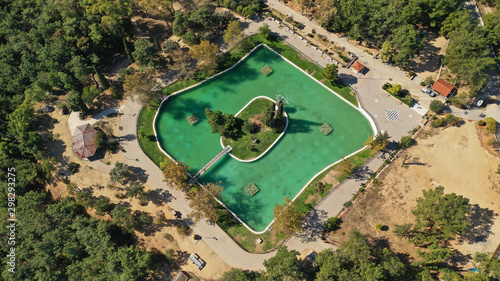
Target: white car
column 428, row 91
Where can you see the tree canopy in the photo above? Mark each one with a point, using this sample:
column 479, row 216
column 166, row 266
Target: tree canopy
column 439, row 217
column 226, row 125
column 330, row 72
column 206, row 55
column 233, row 34
column 72, row 248
column 283, row 266
column 287, row 219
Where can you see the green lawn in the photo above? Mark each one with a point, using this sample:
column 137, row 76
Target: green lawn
column 244, row 148
column 146, row 135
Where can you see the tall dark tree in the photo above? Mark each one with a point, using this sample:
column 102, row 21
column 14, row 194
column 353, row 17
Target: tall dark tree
column 102, row 79
column 128, row 51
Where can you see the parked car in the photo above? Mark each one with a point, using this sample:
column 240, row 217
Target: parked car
column 428, row 91
column 479, row 103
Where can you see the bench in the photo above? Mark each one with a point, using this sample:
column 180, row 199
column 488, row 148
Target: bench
column 195, row 259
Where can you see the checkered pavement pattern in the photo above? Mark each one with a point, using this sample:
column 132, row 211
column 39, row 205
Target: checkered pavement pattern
column 392, row 115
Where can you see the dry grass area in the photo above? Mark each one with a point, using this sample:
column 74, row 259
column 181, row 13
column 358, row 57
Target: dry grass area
column 453, row 158
column 89, row 177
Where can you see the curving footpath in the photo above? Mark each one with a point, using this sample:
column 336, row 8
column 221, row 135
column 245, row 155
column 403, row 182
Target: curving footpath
column 224, row 246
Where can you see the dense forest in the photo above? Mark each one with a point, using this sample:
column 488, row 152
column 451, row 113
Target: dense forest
column 395, row 27
column 52, row 48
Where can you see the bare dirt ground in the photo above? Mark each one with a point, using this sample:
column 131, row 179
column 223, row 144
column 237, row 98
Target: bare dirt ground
column 453, row 158
column 90, row 178
column 428, row 62
column 485, row 9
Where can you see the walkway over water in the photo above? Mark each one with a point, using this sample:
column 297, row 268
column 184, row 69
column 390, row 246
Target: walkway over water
column 214, row 160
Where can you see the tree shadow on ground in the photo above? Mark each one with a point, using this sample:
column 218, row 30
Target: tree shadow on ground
column 481, row 220
column 182, row 257
column 312, row 226
column 459, row 260
column 347, row 79
column 428, row 60
column 160, row 196
column 139, row 174
column 124, row 204
column 99, row 154
column 361, row 174
column 128, row 137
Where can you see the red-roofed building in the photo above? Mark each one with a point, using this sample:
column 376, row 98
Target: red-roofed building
column 83, row 141
column 357, row 67
column 444, row 88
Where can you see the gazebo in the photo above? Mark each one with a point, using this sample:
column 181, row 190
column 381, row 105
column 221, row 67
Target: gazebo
column 83, row 141
column 357, row 67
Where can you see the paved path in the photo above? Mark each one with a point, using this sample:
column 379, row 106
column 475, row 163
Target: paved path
column 224, row 246
column 330, row 206
column 389, row 113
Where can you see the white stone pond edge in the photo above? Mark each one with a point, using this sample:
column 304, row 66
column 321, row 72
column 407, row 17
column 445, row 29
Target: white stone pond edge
column 271, row 146
column 360, row 109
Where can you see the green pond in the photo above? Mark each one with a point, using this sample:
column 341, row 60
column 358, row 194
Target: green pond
column 299, row 155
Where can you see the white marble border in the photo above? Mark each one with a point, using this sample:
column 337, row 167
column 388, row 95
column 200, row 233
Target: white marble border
column 271, row 146
column 360, row 109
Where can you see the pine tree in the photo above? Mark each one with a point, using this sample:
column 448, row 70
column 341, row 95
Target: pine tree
column 128, row 52
column 102, row 79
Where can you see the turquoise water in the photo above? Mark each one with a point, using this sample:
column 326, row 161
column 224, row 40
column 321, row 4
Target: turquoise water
column 301, row 153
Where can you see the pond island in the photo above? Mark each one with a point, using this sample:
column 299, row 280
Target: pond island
column 253, row 130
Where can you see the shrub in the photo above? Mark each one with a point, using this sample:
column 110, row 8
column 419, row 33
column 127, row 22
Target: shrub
column 395, row 89
column 379, row 226
column 481, row 123
column 183, row 229
column 491, row 142
column 348, row 204
column 386, row 86
column 332, row 224
column 320, row 187
column 437, row 123
column 491, row 124
column 437, row 106
column 100, row 139
column 74, row 167
column 111, row 147
column 452, row 120
column 406, row 141
column 168, row 237
column 411, row 73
